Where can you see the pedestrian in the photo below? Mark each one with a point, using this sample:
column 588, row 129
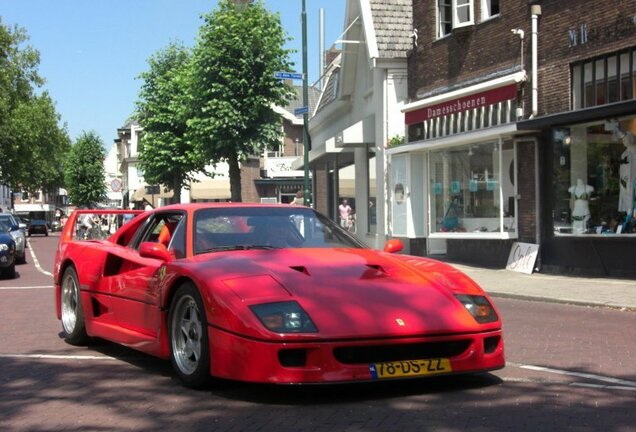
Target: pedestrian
column 345, row 213
column 298, row 200
column 85, row 225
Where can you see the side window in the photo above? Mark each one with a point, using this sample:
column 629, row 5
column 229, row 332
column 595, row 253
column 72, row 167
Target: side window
column 178, row 243
column 163, row 229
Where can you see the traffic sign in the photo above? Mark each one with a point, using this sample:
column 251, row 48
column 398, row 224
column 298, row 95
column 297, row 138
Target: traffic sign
column 288, row 75
column 301, row 111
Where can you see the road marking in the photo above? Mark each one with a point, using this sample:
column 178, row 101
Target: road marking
column 57, row 357
column 603, row 387
column 36, row 262
column 26, row 287
column 601, row 378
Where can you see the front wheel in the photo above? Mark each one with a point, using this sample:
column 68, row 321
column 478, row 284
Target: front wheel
column 10, row 271
column 72, row 312
column 188, row 332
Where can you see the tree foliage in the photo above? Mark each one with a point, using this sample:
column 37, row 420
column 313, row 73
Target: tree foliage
column 29, row 132
column 84, row 171
column 34, row 126
column 18, row 76
column 233, row 89
column 165, row 156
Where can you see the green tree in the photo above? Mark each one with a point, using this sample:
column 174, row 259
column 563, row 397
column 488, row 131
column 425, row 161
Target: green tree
column 165, row 156
column 84, row 171
column 34, row 128
column 233, row 88
column 18, row 77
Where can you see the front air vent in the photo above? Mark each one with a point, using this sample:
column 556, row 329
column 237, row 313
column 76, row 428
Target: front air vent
column 386, row 353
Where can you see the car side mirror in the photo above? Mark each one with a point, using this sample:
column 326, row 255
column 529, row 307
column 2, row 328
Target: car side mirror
column 15, row 227
column 155, row 251
column 393, row 246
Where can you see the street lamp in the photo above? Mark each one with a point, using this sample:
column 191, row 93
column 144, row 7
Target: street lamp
column 306, row 142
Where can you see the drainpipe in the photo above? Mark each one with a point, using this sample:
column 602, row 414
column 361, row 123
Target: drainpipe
column 535, row 12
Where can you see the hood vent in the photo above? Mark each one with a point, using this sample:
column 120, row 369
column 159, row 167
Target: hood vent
column 301, row 269
column 374, row 271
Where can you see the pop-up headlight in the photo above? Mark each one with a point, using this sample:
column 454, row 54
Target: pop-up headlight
column 284, row 317
column 479, row 307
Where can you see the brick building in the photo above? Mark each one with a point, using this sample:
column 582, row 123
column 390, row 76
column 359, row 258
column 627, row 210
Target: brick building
column 511, row 104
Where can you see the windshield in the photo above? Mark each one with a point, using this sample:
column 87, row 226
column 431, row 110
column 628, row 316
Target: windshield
column 4, row 226
column 6, row 222
column 239, row 228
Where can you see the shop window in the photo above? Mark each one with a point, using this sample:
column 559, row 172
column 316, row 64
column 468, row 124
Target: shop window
column 603, row 80
column 347, row 191
column 453, row 14
column 372, row 208
column 594, row 174
column 467, row 186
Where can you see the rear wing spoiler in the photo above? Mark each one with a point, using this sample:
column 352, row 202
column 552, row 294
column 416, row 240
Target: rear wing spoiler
column 96, row 224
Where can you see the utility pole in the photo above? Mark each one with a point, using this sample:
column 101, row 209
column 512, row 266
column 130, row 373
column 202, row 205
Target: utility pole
column 306, row 142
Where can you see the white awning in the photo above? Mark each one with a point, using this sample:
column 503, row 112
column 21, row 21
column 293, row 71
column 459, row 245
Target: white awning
column 140, row 194
column 210, row 189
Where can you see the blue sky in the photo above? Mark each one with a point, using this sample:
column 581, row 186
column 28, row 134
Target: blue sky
column 91, row 51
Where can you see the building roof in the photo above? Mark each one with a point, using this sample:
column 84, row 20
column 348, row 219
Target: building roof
column 330, row 90
column 297, row 101
column 393, row 23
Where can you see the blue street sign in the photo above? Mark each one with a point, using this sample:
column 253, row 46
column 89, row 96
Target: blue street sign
column 301, row 111
column 288, row 75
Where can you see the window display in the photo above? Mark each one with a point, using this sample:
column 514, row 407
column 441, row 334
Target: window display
column 594, row 174
column 472, row 189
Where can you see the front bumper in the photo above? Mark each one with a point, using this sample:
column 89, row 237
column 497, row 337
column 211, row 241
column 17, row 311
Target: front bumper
column 238, row 358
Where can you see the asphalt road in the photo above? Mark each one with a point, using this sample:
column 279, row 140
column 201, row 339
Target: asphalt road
column 570, row 368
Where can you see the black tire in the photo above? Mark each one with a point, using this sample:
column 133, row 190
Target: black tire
column 10, row 271
column 188, row 333
column 73, row 324
column 22, row 259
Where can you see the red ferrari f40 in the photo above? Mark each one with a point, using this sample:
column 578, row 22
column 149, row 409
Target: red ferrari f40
column 268, row 293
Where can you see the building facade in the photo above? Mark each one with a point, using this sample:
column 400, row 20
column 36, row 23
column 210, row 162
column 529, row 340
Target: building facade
column 514, row 105
column 359, row 112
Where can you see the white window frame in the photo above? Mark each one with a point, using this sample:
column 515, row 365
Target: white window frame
column 440, row 26
column 486, row 6
column 455, row 6
column 468, row 4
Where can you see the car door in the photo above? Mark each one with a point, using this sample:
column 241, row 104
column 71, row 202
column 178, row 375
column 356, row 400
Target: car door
column 134, row 283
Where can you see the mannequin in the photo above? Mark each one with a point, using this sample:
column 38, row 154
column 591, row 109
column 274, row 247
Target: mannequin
column 581, row 211
column 627, row 175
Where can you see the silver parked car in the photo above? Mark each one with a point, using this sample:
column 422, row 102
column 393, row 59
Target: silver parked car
column 12, row 226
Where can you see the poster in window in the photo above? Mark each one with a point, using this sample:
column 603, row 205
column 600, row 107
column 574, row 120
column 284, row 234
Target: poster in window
column 437, row 188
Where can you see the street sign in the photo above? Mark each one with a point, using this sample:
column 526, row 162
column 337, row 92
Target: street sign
column 301, row 111
column 288, row 75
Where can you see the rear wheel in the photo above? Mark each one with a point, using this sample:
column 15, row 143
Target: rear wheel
column 72, row 312
column 188, row 332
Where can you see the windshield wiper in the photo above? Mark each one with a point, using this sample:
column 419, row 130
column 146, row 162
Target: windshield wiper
column 236, row 247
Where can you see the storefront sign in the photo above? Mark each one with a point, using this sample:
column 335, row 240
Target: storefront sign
column 522, row 257
column 466, row 103
column 584, row 35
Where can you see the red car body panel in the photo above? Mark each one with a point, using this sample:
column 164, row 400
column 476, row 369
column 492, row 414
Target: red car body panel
column 358, row 299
